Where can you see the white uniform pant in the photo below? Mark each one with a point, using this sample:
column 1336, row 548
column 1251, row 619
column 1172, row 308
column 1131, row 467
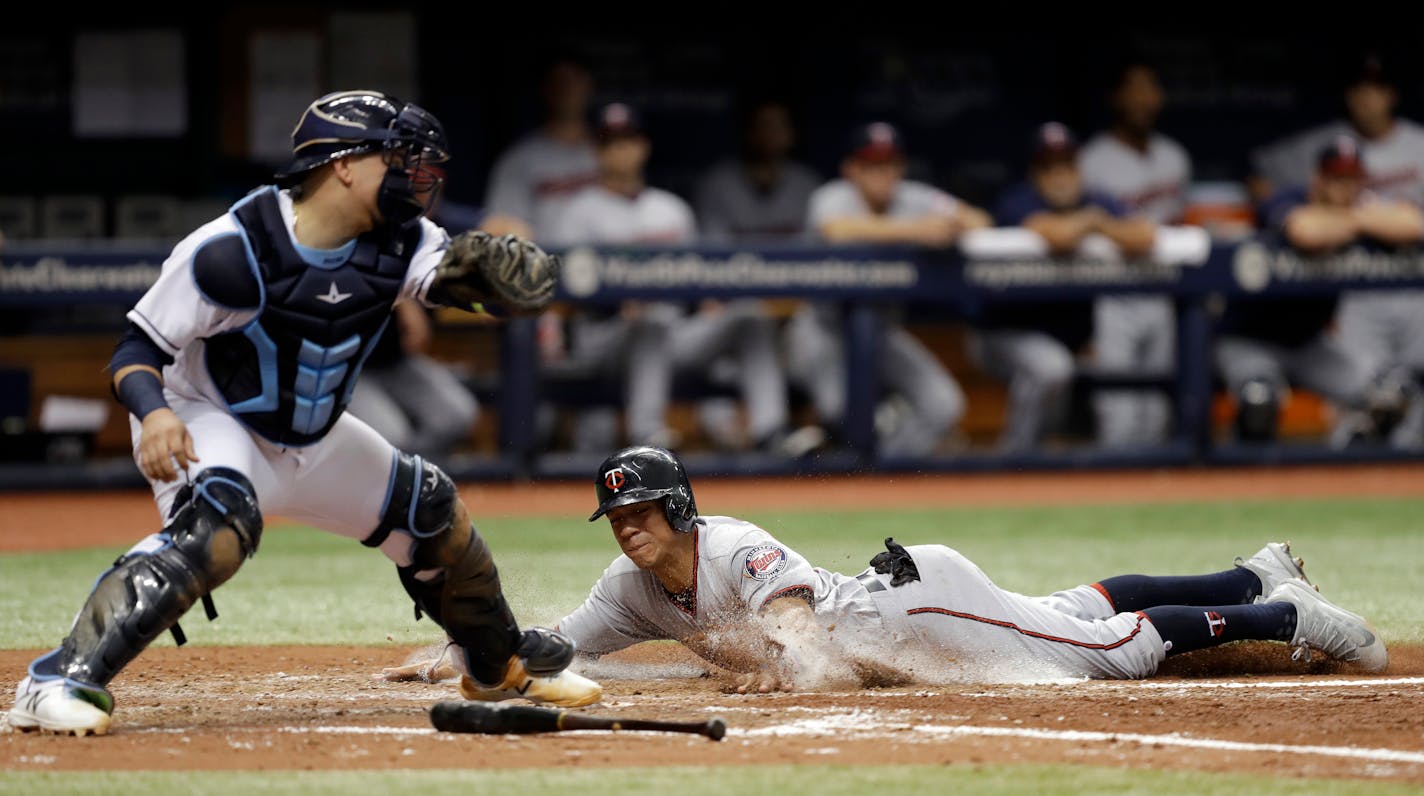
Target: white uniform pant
column 984, row 632
column 339, row 484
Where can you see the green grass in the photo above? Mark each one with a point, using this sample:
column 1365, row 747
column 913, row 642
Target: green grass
column 687, row 781
column 305, row 586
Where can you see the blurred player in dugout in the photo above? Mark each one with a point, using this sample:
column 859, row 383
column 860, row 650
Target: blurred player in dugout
column 1382, row 328
column 536, row 177
column 1266, row 345
column 647, row 344
column 1033, row 348
column 873, row 203
column 1148, row 173
column 414, row 400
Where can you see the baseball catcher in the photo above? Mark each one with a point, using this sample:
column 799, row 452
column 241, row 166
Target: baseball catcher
column 237, row 368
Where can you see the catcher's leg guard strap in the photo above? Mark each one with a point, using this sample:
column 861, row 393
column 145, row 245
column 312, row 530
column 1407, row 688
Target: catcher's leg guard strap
column 148, row 589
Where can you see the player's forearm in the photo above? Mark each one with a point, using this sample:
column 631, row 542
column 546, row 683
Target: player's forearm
column 870, row 230
column 1134, row 237
column 1319, row 229
column 1062, row 234
column 1393, row 224
column 137, row 365
column 736, row 649
column 973, row 218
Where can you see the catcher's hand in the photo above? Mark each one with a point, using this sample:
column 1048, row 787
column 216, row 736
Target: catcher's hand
column 479, row 270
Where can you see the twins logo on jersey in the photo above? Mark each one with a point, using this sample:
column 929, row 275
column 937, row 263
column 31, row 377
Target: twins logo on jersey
column 765, row 562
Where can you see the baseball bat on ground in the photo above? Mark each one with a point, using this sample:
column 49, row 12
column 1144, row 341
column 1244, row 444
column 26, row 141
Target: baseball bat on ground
column 479, row 717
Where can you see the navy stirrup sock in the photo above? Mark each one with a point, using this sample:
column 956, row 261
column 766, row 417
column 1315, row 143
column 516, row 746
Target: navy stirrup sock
column 1235, row 586
column 1185, row 628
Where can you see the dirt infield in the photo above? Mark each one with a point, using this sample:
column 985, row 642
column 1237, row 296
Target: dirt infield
column 252, row 708
column 256, row 708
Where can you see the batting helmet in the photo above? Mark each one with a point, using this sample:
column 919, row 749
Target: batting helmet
column 355, row 122
column 638, row 474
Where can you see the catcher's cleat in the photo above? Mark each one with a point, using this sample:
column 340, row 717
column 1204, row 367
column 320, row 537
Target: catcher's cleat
column 1324, row 626
column 1273, row 564
column 61, row 706
column 565, row 689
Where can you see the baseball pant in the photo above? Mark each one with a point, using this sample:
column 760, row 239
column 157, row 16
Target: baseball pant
column 1039, row 371
column 1322, row 365
column 954, row 611
column 338, row 484
column 816, row 353
column 1133, row 334
column 633, row 351
column 742, row 335
column 417, row 404
column 1385, row 330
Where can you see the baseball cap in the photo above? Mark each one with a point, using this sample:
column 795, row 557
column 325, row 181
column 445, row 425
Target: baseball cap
column 877, row 141
column 1053, row 143
column 617, row 120
column 1370, row 68
column 1342, row 158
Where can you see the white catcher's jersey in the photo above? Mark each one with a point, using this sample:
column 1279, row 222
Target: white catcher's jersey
column 740, row 568
column 598, row 215
column 538, row 177
column 840, row 199
column 176, row 314
column 1152, row 183
column 1395, row 163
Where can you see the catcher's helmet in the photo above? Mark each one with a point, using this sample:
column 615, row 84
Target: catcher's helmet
column 353, row 122
column 638, row 474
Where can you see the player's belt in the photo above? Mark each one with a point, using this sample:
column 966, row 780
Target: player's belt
column 870, row 582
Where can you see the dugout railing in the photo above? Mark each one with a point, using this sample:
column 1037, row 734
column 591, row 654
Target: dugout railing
column 74, row 280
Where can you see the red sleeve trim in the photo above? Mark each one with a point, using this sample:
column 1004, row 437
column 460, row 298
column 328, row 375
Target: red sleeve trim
column 801, row 590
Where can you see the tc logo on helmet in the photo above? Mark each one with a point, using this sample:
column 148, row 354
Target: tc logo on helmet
column 614, row 479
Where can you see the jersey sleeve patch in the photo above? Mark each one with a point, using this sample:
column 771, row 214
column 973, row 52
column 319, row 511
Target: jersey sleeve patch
column 764, row 562
column 223, row 274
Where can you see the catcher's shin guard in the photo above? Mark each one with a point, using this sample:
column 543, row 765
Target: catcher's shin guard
column 147, row 590
column 464, row 595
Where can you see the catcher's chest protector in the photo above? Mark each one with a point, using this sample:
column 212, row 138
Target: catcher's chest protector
column 289, row 374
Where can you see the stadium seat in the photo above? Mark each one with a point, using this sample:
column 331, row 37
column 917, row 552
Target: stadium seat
column 72, row 216
column 18, row 217
column 147, row 216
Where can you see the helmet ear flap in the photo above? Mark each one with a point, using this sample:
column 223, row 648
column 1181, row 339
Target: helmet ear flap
column 681, row 511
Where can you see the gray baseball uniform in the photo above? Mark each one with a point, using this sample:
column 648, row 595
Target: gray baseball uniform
column 1382, row 328
column 1135, row 333
column 731, row 209
column 537, row 177
column 665, row 337
column 815, row 337
column 952, row 622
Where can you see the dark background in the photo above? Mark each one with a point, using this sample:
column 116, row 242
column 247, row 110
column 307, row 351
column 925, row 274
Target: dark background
column 967, row 100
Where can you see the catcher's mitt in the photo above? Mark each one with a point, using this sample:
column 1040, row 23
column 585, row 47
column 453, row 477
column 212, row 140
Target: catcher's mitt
column 480, row 270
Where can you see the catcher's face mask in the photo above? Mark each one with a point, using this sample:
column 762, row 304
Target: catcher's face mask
column 413, row 180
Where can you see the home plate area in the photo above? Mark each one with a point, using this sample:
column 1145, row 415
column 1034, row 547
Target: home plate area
column 265, row 708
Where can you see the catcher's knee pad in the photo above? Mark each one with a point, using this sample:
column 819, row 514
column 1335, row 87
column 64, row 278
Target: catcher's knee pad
column 461, row 592
column 215, row 526
column 420, row 501
column 1258, row 407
